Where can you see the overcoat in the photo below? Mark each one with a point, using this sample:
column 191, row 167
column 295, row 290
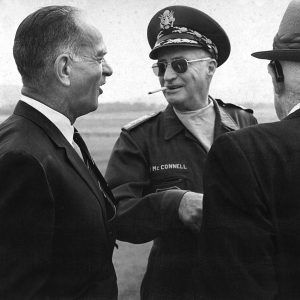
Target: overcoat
column 251, row 215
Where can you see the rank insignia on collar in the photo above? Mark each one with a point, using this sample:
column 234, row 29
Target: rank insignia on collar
column 167, row 19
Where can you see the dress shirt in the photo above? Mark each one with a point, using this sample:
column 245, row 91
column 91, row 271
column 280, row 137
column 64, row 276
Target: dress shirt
column 200, row 123
column 59, row 120
column 297, row 106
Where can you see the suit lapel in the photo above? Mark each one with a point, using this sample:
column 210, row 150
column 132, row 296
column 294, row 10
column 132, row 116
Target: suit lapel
column 85, row 174
column 28, row 112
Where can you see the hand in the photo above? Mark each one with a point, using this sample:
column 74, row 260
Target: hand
column 190, row 210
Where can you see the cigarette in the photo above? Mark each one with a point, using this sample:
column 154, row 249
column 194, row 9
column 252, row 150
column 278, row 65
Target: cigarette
column 158, row 90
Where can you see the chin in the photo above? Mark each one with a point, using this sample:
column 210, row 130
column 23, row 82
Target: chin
column 175, row 101
column 92, row 107
column 95, row 107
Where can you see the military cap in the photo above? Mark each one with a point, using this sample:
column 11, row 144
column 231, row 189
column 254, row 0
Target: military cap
column 286, row 43
column 186, row 26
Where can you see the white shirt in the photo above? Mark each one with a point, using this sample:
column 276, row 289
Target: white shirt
column 201, row 123
column 59, row 120
column 297, row 106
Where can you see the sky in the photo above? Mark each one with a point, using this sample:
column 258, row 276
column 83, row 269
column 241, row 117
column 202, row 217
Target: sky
column 250, row 25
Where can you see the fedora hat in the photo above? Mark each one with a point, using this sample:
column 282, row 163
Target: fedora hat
column 286, row 43
column 186, row 26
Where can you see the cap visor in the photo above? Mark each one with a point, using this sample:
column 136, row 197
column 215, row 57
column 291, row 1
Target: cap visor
column 154, row 53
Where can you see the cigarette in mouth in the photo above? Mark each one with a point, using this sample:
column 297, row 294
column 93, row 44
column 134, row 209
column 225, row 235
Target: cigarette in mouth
column 158, row 90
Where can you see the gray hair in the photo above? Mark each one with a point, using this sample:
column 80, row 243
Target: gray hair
column 41, row 37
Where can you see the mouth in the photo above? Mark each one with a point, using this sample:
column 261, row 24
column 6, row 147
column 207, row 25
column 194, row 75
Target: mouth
column 100, row 89
column 174, row 88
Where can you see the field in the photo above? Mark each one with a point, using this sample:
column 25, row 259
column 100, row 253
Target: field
column 100, row 131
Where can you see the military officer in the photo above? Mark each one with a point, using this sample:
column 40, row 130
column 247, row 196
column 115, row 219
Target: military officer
column 156, row 166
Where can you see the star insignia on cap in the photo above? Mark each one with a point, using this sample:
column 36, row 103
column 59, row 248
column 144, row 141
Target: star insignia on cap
column 167, row 19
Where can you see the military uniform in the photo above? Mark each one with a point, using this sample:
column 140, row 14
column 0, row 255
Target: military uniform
column 153, row 163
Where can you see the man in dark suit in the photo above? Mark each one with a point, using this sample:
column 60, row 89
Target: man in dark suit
column 56, row 212
column 251, row 215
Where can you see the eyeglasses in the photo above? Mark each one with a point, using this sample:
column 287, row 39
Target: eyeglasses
column 179, row 65
column 275, row 64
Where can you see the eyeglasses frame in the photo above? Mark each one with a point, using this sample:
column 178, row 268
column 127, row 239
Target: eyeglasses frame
column 170, row 63
column 277, row 68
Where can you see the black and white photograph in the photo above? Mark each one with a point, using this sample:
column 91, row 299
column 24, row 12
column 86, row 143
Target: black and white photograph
column 149, row 149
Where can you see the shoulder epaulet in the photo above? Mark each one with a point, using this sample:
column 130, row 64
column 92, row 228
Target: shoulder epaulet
column 140, row 121
column 221, row 103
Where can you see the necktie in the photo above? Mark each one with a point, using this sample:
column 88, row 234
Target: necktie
column 88, row 160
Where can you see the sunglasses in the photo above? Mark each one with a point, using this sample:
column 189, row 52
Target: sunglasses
column 179, row 65
column 275, row 64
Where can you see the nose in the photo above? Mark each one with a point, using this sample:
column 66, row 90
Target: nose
column 106, row 69
column 170, row 74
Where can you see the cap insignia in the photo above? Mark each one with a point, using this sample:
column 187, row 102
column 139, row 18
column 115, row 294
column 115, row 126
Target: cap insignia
column 167, row 19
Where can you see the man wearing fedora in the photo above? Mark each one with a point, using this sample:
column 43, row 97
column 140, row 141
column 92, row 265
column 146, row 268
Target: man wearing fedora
column 156, row 166
column 251, row 211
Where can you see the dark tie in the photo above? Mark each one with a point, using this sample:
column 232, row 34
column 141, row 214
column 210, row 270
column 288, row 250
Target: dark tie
column 88, row 160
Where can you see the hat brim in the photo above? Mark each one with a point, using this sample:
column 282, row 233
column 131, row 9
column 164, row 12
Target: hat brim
column 280, row 54
column 154, row 53
column 223, row 54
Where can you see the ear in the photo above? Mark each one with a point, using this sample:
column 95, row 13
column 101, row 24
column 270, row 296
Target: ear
column 212, row 65
column 278, row 86
column 62, row 69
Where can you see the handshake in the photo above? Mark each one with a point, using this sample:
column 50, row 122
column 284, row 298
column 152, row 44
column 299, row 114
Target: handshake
column 190, row 210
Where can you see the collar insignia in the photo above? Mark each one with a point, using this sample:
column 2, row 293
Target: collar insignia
column 167, row 19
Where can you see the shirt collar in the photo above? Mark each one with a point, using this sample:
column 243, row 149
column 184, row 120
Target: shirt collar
column 297, row 106
column 223, row 117
column 58, row 119
column 173, row 125
column 194, row 113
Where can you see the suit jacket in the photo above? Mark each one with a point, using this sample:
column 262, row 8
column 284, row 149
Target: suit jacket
column 251, row 216
column 55, row 241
